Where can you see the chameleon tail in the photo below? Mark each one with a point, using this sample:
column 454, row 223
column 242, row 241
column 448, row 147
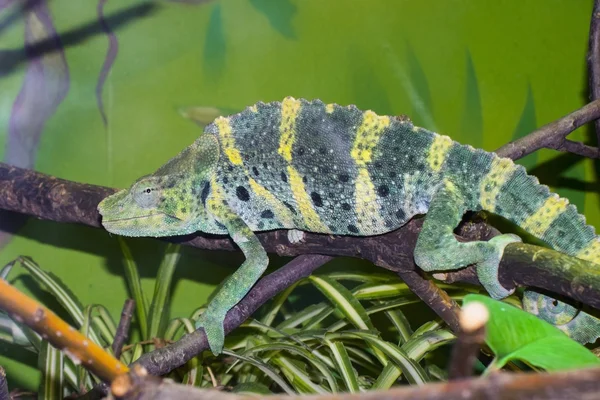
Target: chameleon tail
column 520, row 198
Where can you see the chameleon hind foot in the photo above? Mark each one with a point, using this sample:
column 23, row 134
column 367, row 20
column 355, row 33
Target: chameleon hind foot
column 438, row 249
column 487, row 270
column 212, row 323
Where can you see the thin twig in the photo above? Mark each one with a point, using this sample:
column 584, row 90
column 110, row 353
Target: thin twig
column 123, row 328
column 553, row 135
column 469, row 339
column 594, row 59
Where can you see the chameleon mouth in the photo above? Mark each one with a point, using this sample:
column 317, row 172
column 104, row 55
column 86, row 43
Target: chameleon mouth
column 112, row 221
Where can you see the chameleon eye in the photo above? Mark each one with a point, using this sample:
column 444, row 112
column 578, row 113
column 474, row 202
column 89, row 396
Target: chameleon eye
column 146, row 196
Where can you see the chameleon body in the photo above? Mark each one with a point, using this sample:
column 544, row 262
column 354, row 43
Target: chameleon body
column 329, row 169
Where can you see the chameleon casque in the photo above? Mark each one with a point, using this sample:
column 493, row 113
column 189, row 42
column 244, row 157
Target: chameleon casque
column 329, row 169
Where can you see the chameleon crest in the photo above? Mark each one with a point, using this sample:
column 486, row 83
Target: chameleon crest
column 325, row 168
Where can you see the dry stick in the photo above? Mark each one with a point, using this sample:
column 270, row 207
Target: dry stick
column 59, row 334
column 553, row 135
column 469, row 339
column 123, row 328
column 594, row 59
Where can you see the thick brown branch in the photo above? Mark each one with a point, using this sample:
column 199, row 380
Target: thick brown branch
column 581, row 384
column 594, row 59
column 553, row 135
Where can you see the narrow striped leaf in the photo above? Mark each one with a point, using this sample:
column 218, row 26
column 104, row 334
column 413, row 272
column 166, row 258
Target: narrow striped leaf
column 297, row 378
column 157, row 316
column 344, row 365
column 50, row 363
column 342, row 298
column 135, row 286
column 264, row 368
column 276, row 347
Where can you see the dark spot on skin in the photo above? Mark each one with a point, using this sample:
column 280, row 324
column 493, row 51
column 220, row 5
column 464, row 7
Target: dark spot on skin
column 224, row 202
column 161, row 200
column 301, row 151
column 205, row 191
column 220, row 225
column 289, row 206
column 392, row 174
column 383, row 191
column 181, row 197
column 255, row 171
column 331, row 228
column 184, row 191
column 346, row 206
column 267, row 214
column 170, row 185
column 260, row 225
column 284, row 177
column 304, row 179
column 389, row 224
column 193, row 191
column 400, row 215
column 183, row 210
column 242, row 193
column 316, row 199
column 352, row 228
column 230, row 168
column 322, row 151
column 344, row 177
column 265, row 165
column 378, row 165
column 225, row 180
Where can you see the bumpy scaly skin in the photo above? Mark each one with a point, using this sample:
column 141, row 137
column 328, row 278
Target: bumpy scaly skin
column 330, row 169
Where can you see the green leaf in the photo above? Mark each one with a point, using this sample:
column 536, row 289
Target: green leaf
column 344, row 365
column 135, row 286
column 158, row 315
column 514, row 334
column 50, row 362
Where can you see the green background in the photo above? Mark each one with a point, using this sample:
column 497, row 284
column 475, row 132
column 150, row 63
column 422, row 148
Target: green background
column 480, row 71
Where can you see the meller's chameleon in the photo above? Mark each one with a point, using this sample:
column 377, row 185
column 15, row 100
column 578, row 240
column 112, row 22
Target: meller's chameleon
column 325, row 168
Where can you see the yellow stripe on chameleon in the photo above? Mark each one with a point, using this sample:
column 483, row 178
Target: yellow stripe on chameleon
column 227, row 141
column 329, row 108
column 305, row 205
column 253, row 108
column 215, row 200
column 366, row 208
column 500, row 170
column 437, row 152
column 282, row 213
column 367, row 137
column 540, row 221
column 290, row 108
column 591, row 252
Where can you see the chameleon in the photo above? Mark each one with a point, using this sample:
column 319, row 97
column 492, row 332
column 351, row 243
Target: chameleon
column 308, row 166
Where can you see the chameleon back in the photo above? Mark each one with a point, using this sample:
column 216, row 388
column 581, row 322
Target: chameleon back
column 323, row 168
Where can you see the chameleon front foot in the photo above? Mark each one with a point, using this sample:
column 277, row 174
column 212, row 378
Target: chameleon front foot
column 487, row 270
column 212, row 323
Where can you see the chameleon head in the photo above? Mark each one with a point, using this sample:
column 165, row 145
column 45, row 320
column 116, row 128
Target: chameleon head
column 168, row 202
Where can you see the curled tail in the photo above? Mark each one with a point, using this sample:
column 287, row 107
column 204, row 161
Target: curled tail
column 510, row 192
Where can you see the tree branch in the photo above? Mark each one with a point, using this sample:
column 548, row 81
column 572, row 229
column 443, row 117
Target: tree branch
column 553, row 135
column 580, row 384
column 594, row 59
